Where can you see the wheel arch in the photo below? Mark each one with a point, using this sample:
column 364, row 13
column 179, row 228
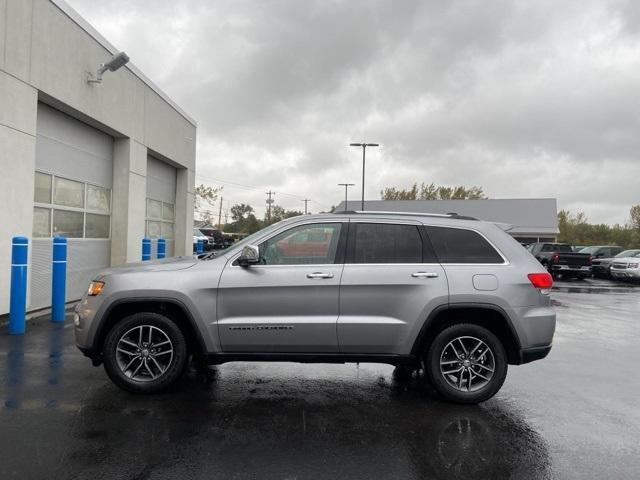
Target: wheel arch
column 492, row 317
column 171, row 308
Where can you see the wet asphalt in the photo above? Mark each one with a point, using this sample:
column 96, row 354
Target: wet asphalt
column 575, row 414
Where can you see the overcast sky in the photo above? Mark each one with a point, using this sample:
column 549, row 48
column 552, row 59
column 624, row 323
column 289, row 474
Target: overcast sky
column 526, row 99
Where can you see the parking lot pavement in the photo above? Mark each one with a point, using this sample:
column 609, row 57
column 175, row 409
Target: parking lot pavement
column 573, row 415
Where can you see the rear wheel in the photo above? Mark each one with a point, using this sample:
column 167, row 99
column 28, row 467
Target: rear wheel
column 145, row 353
column 466, row 363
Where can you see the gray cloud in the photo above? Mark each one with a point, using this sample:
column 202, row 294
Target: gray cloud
column 524, row 98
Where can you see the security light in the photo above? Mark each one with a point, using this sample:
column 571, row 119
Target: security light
column 118, row 60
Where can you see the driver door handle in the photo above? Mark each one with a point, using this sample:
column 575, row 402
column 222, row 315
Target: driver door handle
column 424, row 275
column 319, row 275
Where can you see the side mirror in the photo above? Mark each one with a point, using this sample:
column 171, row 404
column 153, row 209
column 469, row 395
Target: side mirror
column 250, row 256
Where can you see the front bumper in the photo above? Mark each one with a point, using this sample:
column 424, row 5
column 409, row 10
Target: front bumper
column 624, row 274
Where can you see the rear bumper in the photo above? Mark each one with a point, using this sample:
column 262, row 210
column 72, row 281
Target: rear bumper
column 569, row 269
column 534, row 353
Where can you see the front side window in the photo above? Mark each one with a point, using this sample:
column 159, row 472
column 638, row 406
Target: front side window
column 302, row 245
column 386, row 243
column 459, row 245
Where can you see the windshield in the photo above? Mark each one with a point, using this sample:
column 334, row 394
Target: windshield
column 628, row 253
column 198, row 233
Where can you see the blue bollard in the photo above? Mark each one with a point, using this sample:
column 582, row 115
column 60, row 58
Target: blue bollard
column 162, row 248
column 200, row 246
column 18, row 301
column 146, row 249
column 59, row 279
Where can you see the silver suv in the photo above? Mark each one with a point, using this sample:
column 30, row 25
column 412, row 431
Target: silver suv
column 454, row 297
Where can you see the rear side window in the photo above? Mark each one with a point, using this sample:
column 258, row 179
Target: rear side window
column 458, row 245
column 386, row 243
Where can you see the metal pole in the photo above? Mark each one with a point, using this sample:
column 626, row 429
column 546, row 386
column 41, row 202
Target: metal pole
column 146, row 249
column 18, row 295
column 59, row 279
column 364, row 149
column 220, row 215
column 162, row 248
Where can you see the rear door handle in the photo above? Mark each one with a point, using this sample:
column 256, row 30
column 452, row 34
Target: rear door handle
column 319, row 275
column 424, row 275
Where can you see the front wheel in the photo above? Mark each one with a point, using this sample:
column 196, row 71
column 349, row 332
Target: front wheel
column 466, row 363
column 145, row 353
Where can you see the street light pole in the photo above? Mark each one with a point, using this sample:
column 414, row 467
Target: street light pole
column 364, row 150
column 346, row 188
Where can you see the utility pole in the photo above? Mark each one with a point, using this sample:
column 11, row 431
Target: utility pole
column 269, row 203
column 220, row 216
column 306, row 200
column 364, row 150
column 346, row 188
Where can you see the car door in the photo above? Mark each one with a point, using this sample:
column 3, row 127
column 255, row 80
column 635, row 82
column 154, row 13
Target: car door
column 390, row 284
column 289, row 302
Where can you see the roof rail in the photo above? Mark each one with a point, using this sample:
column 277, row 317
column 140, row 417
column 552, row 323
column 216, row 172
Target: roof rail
column 419, row 214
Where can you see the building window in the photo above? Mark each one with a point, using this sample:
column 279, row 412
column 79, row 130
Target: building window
column 160, row 219
column 70, row 208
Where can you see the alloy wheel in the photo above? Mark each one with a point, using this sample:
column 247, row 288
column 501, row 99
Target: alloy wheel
column 144, row 353
column 467, row 364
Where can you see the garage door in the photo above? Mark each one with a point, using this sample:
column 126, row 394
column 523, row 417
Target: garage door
column 161, row 200
column 73, row 180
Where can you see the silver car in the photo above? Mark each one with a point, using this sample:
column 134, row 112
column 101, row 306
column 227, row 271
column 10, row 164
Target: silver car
column 453, row 297
column 626, row 267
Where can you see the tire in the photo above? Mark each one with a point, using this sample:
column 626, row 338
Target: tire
column 158, row 366
column 457, row 387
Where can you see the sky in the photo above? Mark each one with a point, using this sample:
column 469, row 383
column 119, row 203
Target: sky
column 525, row 99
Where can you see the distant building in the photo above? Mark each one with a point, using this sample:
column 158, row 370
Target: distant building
column 532, row 219
column 103, row 165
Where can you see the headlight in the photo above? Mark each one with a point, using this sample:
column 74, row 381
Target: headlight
column 633, row 265
column 95, row 288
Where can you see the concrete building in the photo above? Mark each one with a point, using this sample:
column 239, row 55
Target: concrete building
column 102, row 164
column 532, row 219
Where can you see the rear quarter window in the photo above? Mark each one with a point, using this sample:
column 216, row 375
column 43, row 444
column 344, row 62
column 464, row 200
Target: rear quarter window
column 459, row 245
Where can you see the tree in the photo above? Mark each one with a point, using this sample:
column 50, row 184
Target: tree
column 575, row 230
column 433, row 192
column 279, row 213
column 240, row 210
column 635, row 217
column 205, row 198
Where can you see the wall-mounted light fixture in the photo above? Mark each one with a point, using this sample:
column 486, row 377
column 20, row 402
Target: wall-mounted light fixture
column 118, row 60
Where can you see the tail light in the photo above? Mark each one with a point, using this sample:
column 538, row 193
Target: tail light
column 555, row 258
column 542, row 281
column 589, row 260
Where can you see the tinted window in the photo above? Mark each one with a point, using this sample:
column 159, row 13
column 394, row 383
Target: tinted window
column 302, row 245
column 386, row 243
column 556, row 247
column 457, row 245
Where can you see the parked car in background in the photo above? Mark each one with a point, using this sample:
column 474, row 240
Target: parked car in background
column 602, row 251
column 601, row 267
column 577, row 248
column 560, row 259
column 198, row 235
column 626, row 268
